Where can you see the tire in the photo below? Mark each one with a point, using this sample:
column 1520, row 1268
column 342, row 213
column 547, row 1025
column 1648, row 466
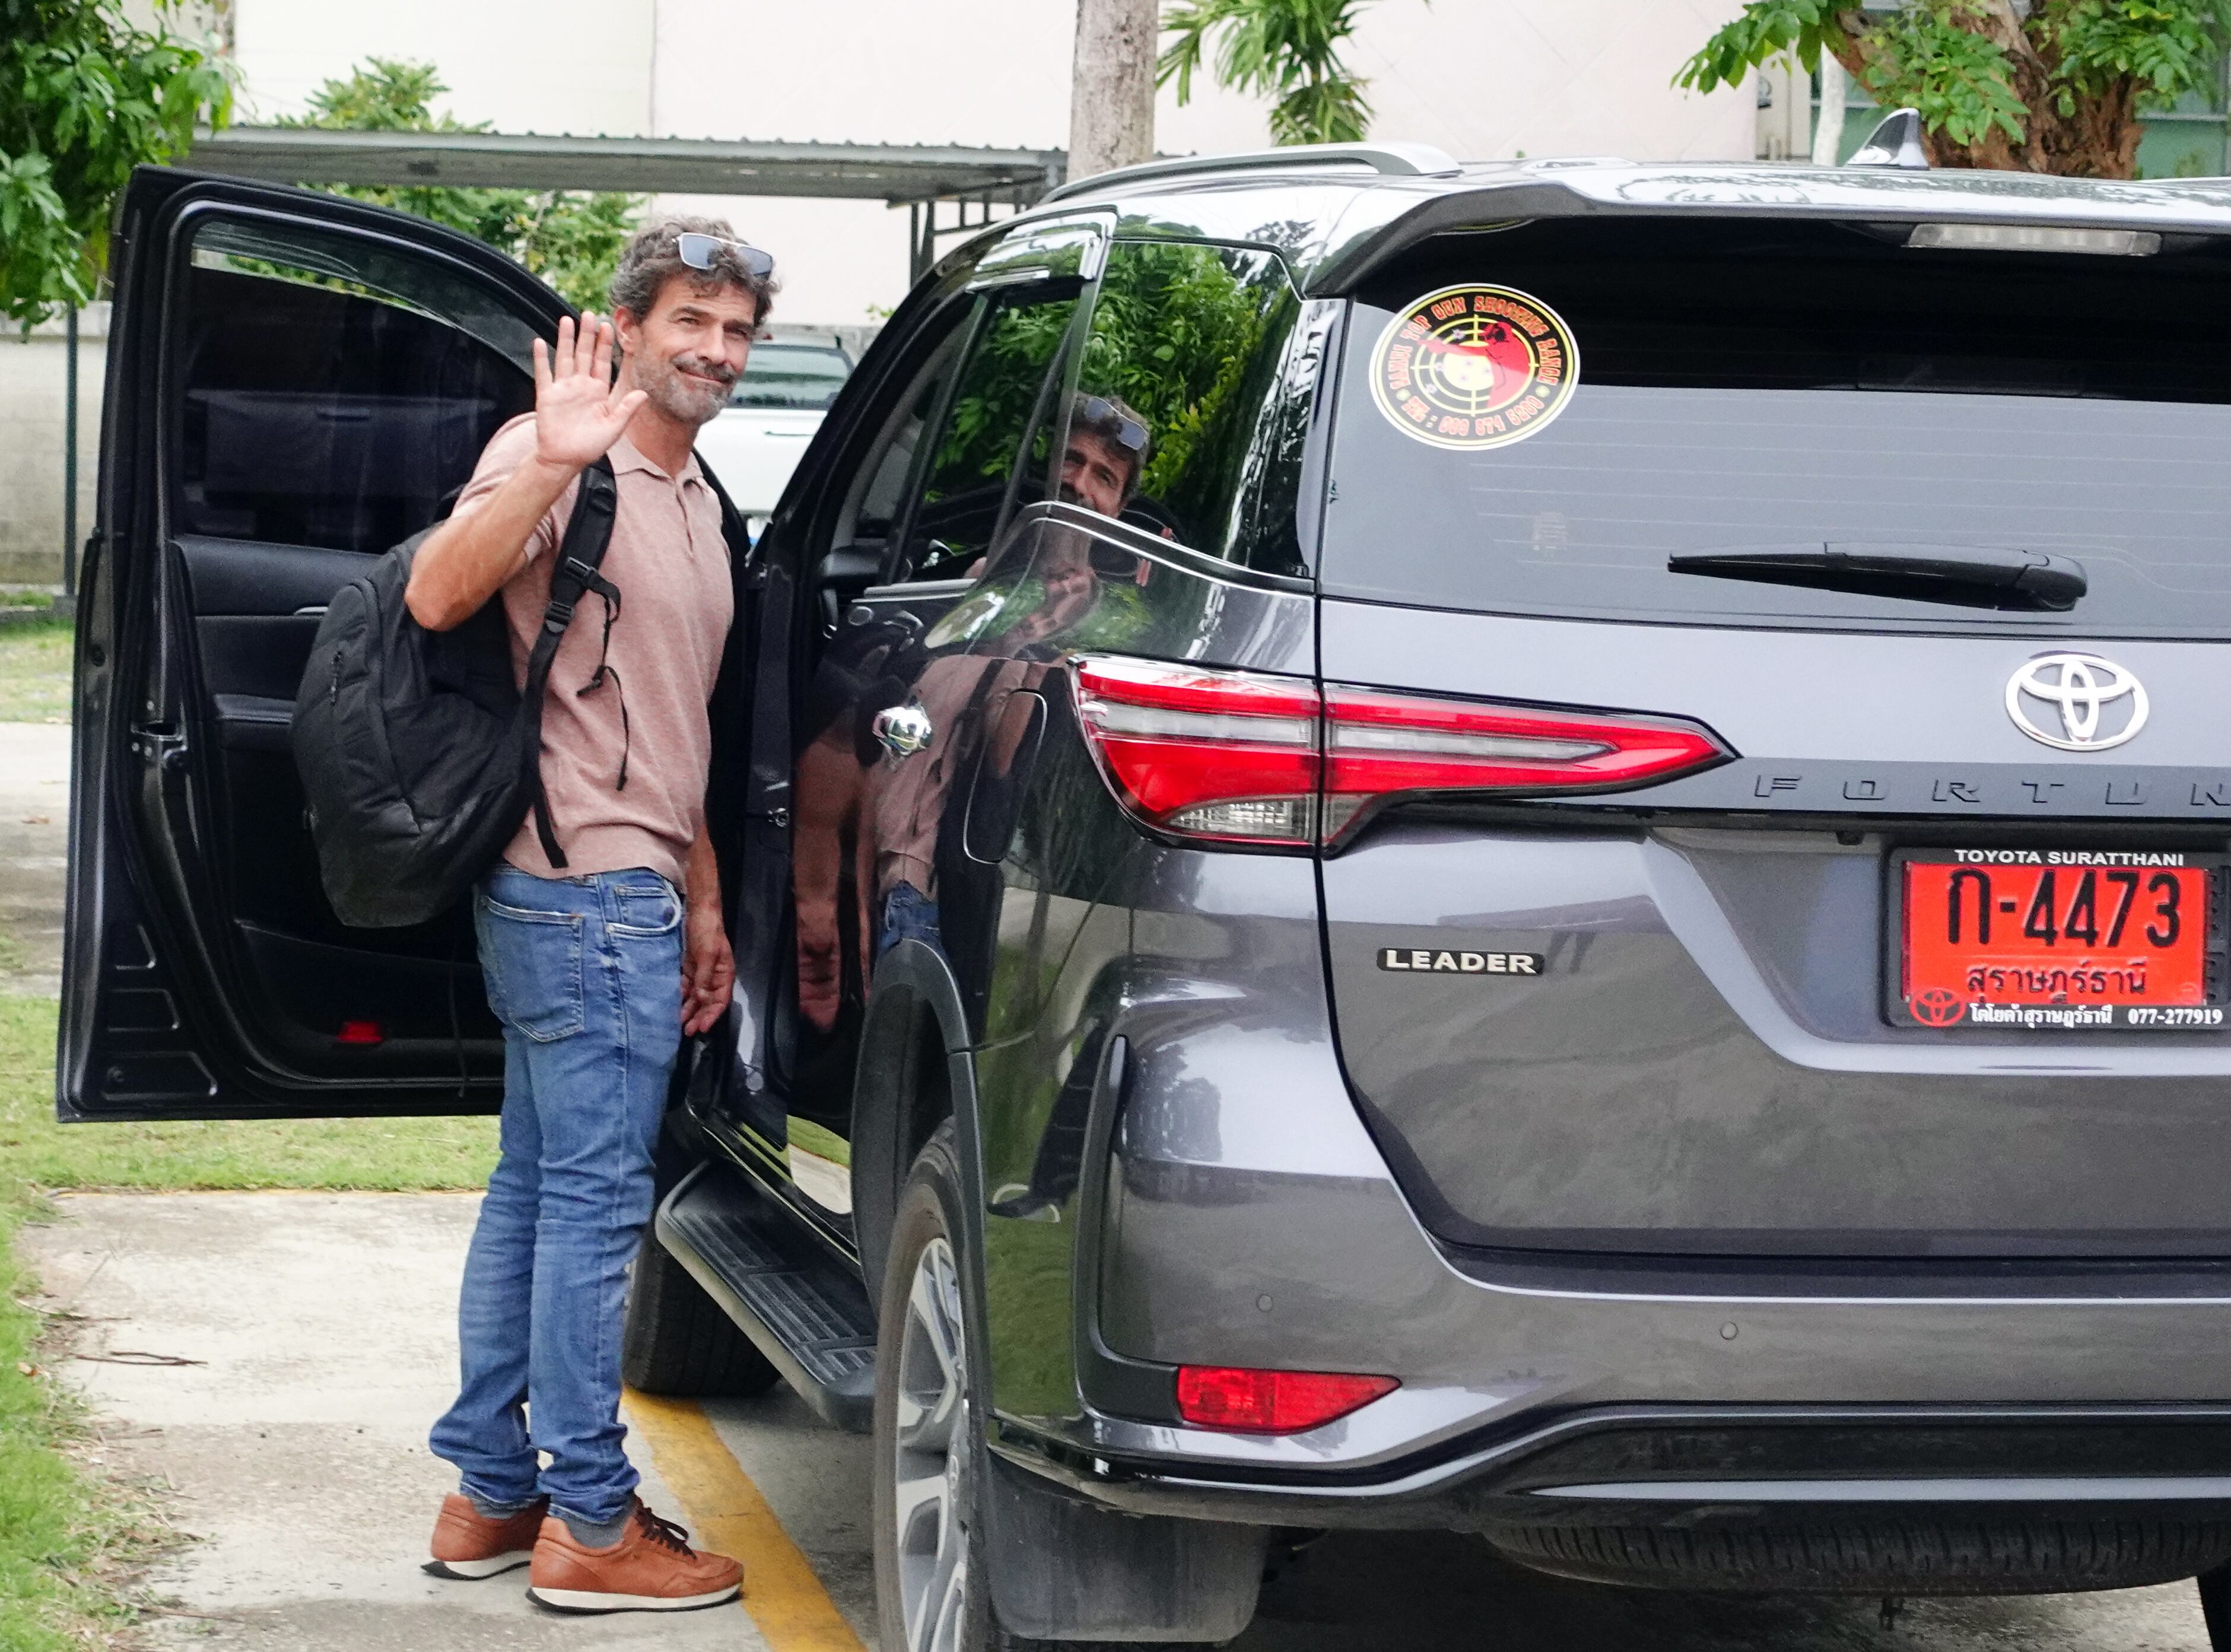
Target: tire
column 937, row 1565
column 2216, row 1607
column 678, row 1341
column 1875, row 1556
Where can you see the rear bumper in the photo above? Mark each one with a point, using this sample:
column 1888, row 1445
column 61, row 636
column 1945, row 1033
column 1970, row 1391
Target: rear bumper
column 1682, row 1467
column 1279, row 1238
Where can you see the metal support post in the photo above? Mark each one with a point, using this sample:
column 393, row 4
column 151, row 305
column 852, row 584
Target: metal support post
column 69, row 457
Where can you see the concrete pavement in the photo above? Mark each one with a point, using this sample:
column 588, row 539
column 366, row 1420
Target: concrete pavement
column 322, row 1326
column 297, row 1449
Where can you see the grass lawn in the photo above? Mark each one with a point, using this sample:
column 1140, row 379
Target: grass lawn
column 68, row 1538
column 34, row 681
column 65, row 1538
column 391, row 1154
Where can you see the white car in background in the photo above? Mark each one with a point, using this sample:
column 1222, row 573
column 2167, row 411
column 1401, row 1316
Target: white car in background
column 756, row 442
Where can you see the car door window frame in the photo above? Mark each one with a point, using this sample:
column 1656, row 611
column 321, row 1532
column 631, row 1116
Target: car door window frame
column 997, row 295
column 513, row 343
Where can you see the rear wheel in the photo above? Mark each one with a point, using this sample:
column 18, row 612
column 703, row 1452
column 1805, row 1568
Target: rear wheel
column 931, row 1589
column 677, row 1341
column 2215, row 1606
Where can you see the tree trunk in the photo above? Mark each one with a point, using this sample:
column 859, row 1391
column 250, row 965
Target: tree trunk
column 1111, row 98
column 2099, row 138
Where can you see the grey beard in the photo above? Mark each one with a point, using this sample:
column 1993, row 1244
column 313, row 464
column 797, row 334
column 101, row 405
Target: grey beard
column 679, row 400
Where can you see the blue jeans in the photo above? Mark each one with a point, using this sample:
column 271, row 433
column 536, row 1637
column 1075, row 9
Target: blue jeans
column 908, row 915
column 586, row 976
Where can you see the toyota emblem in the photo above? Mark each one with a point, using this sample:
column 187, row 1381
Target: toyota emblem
column 2076, row 702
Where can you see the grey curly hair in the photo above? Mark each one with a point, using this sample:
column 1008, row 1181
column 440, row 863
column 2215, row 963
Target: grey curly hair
column 652, row 259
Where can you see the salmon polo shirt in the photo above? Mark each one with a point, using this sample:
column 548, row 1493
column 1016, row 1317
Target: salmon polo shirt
column 670, row 563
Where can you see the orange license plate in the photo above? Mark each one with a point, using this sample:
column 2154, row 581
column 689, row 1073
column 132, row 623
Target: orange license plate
column 2053, row 940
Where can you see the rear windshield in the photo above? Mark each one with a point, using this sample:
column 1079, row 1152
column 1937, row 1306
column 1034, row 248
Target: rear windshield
column 1533, row 420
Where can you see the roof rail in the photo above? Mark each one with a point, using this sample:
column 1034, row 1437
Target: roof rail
column 1391, row 160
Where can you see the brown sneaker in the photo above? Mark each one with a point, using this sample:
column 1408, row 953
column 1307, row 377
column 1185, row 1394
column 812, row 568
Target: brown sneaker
column 652, row 1569
column 468, row 1544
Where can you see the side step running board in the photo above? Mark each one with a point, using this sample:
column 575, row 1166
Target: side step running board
column 806, row 1311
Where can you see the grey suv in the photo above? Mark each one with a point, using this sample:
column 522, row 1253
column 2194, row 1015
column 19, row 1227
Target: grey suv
column 1538, row 849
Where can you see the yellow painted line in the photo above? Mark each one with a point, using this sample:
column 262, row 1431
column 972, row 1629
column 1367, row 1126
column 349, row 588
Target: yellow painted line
column 728, row 1516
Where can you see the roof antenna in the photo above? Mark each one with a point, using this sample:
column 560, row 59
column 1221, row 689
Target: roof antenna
column 1896, row 142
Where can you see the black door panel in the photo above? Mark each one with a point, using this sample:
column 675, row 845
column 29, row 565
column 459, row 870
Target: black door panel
column 231, row 576
column 260, row 656
column 255, row 611
column 254, row 722
column 296, row 383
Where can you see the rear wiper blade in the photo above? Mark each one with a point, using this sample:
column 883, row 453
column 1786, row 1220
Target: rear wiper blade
column 1975, row 575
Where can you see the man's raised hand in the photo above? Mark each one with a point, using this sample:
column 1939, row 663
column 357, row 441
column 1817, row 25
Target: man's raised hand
column 577, row 414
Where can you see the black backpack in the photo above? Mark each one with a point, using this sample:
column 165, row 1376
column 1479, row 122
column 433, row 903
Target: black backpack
column 419, row 755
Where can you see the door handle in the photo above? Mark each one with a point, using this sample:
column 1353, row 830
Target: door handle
column 902, row 730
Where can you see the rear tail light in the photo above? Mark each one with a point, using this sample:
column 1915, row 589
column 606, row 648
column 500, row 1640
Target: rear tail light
column 361, row 1032
column 1231, row 755
column 1257, row 1401
column 1244, row 758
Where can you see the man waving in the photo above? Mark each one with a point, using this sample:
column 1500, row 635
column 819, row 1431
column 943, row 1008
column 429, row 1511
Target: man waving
column 596, row 968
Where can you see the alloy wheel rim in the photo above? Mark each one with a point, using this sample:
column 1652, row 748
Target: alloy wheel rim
column 934, row 1470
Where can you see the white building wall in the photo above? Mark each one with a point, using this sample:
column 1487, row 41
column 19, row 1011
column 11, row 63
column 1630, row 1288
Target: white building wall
column 34, row 371
column 1484, row 78
column 576, row 66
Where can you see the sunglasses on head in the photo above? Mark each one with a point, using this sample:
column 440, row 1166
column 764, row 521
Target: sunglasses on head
column 1098, row 415
column 703, row 252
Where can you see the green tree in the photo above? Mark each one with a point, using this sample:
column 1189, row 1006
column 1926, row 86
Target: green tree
column 1289, row 50
column 570, row 238
column 1174, row 332
column 85, row 96
column 2056, row 86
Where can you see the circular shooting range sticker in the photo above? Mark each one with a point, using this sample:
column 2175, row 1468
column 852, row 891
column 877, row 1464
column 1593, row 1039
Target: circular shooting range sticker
column 1474, row 367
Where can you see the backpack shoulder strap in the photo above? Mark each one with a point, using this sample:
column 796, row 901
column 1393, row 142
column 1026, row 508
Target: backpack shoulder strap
column 734, row 528
column 580, row 556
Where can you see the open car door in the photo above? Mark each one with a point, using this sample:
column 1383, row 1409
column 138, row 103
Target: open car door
column 295, row 383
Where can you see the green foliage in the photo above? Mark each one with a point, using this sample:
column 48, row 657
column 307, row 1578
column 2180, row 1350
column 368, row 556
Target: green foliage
column 1920, row 55
column 2172, row 46
column 85, row 96
column 569, row 238
column 1285, row 49
column 1175, row 330
column 995, row 399
column 1957, row 79
column 1764, row 30
column 2058, row 88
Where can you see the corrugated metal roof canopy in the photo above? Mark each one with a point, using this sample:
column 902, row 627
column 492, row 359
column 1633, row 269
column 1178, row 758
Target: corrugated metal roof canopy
column 898, row 174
